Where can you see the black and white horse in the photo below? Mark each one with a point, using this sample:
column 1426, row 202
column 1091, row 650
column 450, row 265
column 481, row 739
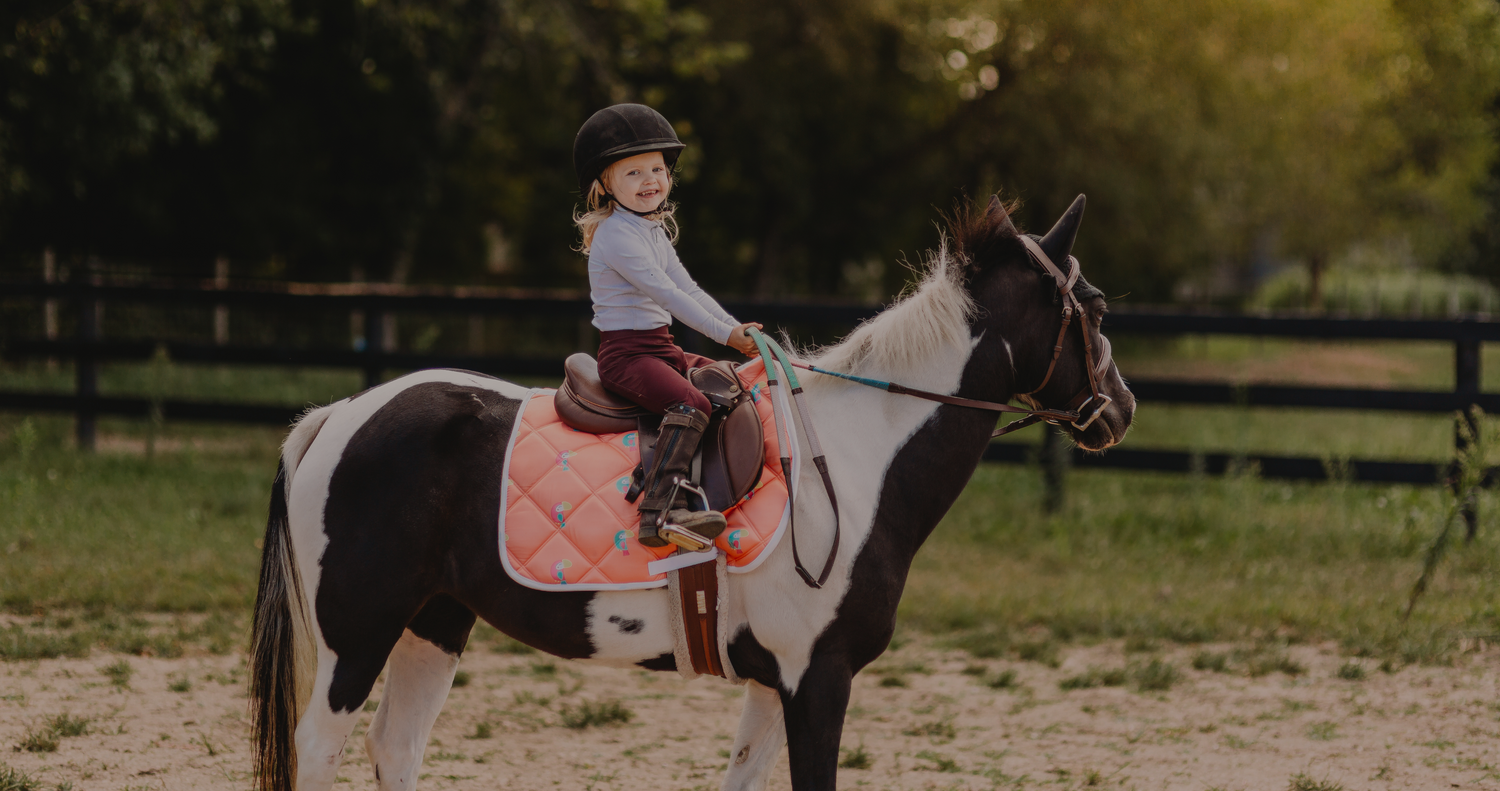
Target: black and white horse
column 382, row 544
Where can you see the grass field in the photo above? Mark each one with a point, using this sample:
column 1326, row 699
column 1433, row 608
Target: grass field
column 91, row 546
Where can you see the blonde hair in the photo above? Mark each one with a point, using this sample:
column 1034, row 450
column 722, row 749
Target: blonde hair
column 599, row 206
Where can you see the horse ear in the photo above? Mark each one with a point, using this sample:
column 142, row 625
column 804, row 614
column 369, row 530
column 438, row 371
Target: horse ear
column 997, row 215
column 1058, row 243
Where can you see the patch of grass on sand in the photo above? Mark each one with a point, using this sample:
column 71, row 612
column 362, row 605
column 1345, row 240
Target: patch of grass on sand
column 591, row 713
column 1306, row 782
column 857, row 758
column 1094, row 677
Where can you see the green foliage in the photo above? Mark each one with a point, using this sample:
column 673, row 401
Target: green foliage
column 1005, row 679
column 119, row 673
column 1351, row 671
column 16, row 780
column 1202, row 132
column 940, row 762
column 38, row 741
column 1306, row 782
column 592, row 713
column 1094, row 677
column 66, row 725
column 858, row 758
column 1154, row 676
column 938, row 730
column 1472, row 468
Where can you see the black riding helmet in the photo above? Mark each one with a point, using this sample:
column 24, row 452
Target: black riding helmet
column 617, row 132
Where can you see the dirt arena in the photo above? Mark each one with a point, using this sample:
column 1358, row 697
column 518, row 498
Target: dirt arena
column 957, row 723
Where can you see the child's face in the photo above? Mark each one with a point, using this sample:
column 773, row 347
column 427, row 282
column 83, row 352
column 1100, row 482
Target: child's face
column 640, row 182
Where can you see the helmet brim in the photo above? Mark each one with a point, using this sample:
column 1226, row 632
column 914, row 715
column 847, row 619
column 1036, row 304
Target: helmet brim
column 669, row 148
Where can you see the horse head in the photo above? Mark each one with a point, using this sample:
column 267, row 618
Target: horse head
column 1040, row 323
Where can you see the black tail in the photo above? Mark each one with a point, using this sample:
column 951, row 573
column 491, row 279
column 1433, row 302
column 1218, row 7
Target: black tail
column 279, row 627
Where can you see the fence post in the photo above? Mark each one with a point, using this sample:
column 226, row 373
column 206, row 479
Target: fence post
column 375, row 340
column 85, row 369
column 1466, row 382
column 221, row 312
column 49, row 307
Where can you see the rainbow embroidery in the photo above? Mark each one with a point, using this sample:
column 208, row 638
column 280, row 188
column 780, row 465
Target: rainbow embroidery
column 558, row 569
column 562, row 458
column 620, row 542
column 628, row 439
column 560, row 512
column 734, row 539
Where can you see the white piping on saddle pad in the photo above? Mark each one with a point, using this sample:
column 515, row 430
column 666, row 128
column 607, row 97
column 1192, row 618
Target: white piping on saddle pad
column 682, row 560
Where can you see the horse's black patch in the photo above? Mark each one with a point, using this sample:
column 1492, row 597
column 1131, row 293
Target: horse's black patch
column 628, row 625
column 443, row 622
column 411, row 521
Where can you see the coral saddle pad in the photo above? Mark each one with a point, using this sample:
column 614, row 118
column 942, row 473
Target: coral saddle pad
column 564, row 520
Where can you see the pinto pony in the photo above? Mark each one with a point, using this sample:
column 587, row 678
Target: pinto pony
column 382, row 545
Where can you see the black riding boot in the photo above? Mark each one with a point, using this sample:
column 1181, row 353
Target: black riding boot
column 681, row 431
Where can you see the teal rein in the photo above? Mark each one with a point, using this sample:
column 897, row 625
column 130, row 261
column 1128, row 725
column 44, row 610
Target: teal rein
column 772, row 356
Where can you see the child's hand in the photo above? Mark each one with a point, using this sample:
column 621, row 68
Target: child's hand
column 740, row 340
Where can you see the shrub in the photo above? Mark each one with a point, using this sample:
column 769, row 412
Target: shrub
column 1351, row 671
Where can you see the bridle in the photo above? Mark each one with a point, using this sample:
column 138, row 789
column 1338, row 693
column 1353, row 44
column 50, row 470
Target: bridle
column 1071, row 307
column 1071, row 414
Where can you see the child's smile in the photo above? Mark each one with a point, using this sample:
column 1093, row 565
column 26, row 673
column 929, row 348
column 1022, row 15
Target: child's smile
column 640, row 183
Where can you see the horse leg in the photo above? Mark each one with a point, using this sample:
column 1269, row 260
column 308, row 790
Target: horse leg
column 759, row 741
column 815, row 722
column 324, row 726
column 419, row 674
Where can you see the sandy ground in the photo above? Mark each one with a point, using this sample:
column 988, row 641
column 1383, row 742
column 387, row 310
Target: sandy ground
column 181, row 724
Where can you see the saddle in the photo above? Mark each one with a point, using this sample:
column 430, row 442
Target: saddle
column 732, row 456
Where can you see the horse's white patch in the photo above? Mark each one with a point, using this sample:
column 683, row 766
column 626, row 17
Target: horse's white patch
column 627, row 627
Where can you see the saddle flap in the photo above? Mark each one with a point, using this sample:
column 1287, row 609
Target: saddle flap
column 732, row 457
column 719, row 383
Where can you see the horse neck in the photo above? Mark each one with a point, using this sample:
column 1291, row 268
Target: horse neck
column 908, row 456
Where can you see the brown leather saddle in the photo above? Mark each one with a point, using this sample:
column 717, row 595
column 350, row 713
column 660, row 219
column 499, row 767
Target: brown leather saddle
column 733, row 453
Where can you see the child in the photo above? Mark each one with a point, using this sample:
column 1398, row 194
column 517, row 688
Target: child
column 623, row 156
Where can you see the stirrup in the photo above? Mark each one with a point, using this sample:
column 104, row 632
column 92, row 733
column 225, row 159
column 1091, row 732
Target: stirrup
column 677, row 534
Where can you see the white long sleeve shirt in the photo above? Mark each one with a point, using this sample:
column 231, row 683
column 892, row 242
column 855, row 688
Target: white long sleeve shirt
column 637, row 282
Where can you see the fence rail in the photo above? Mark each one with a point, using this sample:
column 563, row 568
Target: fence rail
column 375, row 301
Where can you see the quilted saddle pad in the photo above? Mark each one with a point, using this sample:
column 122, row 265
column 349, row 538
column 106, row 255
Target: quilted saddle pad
column 564, row 520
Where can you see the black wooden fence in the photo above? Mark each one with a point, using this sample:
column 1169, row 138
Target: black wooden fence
column 87, row 349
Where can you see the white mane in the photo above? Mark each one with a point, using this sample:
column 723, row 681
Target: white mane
column 923, row 322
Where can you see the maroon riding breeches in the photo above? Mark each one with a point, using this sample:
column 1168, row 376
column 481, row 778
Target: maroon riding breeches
column 646, row 367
